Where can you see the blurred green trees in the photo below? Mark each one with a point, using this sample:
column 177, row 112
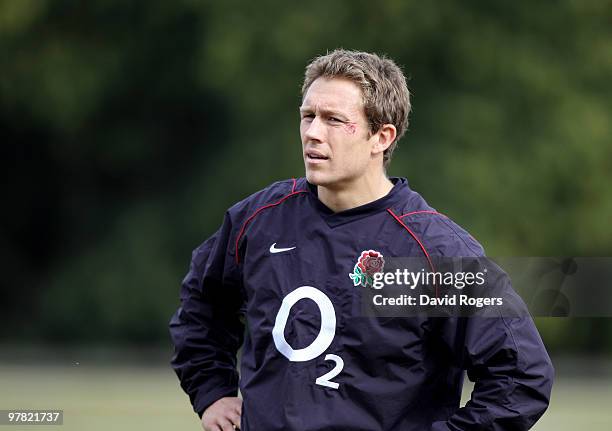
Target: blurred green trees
column 129, row 127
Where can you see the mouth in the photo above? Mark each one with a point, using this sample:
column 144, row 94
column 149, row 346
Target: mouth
column 312, row 156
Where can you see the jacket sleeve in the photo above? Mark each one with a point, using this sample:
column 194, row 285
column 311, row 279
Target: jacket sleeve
column 207, row 330
column 506, row 358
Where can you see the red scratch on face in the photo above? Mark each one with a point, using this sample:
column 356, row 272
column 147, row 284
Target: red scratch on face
column 350, row 128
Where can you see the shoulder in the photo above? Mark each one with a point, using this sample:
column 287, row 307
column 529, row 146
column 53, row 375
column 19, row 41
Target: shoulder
column 270, row 196
column 244, row 212
column 437, row 231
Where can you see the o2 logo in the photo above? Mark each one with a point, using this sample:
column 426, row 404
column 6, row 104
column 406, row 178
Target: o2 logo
column 323, row 340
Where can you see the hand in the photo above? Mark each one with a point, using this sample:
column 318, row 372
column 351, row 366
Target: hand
column 223, row 415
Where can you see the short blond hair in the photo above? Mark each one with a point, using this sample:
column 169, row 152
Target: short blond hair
column 386, row 99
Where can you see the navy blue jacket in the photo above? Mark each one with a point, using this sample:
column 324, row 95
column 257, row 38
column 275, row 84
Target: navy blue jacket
column 319, row 364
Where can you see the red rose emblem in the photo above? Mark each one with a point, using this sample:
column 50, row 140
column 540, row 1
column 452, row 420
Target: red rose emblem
column 371, row 262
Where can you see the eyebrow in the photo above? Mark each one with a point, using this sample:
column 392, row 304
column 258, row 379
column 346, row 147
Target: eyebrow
column 326, row 112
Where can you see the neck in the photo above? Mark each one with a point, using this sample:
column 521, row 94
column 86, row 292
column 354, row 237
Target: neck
column 355, row 193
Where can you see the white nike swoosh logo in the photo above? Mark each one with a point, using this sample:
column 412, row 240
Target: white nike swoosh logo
column 273, row 249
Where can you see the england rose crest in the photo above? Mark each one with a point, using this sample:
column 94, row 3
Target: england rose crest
column 369, row 263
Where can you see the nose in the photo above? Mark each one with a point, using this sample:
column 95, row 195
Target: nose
column 314, row 130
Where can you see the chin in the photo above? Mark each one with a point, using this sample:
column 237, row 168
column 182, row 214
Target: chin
column 317, row 178
column 323, row 179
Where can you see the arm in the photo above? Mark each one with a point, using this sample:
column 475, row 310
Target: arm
column 206, row 329
column 508, row 362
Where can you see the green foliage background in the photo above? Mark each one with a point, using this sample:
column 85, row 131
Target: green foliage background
column 129, row 128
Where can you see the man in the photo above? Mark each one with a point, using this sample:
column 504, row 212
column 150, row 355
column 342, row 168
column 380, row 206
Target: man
column 290, row 260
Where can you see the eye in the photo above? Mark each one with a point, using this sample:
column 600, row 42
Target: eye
column 335, row 120
column 307, row 116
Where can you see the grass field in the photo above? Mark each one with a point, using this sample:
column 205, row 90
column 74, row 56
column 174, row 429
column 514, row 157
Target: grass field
column 148, row 398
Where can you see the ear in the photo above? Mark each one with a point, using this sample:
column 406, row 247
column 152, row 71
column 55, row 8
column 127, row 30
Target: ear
column 383, row 138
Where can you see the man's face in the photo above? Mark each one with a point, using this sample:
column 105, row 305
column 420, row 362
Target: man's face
column 336, row 143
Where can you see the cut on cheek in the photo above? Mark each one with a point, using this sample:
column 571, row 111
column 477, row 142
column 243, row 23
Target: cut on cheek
column 350, row 128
